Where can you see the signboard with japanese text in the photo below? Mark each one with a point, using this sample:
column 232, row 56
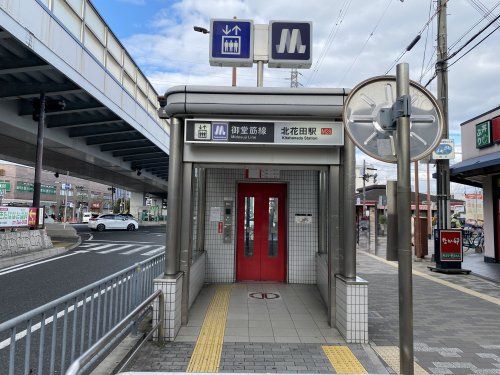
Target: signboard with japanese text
column 445, row 150
column 483, row 134
column 28, row 187
column 495, row 130
column 450, row 245
column 5, row 185
column 16, row 217
column 301, row 133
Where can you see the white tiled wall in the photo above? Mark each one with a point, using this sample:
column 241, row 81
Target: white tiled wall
column 322, row 275
column 302, row 238
column 172, row 291
column 302, row 198
column 352, row 309
column 196, row 277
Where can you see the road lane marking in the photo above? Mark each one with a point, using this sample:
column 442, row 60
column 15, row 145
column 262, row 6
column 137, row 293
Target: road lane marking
column 36, row 264
column 35, row 327
column 136, row 250
column 102, row 247
column 343, row 360
column 154, row 251
column 132, row 242
column 443, row 282
column 390, row 354
column 122, row 247
column 208, row 349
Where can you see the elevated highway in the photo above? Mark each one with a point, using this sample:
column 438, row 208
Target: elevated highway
column 109, row 130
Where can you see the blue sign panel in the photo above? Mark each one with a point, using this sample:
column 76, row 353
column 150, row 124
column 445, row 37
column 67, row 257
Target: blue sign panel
column 290, row 44
column 231, row 42
column 219, row 131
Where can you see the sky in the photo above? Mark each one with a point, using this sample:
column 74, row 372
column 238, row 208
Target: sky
column 352, row 40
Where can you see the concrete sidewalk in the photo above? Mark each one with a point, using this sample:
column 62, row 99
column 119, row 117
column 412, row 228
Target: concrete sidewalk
column 472, row 261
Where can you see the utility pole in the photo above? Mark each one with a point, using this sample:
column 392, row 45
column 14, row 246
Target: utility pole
column 429, row 208
column 363, row 176
column 443, row 166
column 294, row 78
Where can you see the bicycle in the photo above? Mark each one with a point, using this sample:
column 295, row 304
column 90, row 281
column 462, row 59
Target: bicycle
column 473, row 239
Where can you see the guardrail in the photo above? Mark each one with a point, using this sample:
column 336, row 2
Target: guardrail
column 90, row 312
column 90, row 357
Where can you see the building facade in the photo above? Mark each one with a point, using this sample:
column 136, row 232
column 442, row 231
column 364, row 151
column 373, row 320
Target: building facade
column 16, row 189
column 480, row 167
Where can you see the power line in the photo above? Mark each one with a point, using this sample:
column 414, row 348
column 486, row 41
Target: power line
column 415, row 40
column 465, row 53
column 425, row 44
column 366, row 42
column 331, row 36
column 474, row 46
column 474, row 26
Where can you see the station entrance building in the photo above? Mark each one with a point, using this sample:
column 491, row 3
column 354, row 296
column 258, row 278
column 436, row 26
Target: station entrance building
column 261, row 189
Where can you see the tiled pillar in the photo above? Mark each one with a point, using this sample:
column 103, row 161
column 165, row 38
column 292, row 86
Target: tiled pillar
column 352, row 309
column 172, row 290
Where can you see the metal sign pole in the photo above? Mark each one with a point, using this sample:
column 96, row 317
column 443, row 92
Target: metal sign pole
column 260, row 73
column 404, row 225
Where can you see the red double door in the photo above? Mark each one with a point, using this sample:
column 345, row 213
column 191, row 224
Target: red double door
column 261, row 232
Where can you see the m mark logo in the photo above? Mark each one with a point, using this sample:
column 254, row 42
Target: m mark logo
column 326, row 131
column 291, row 41
column 219, row 131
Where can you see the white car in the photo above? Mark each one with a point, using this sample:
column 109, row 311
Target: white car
column 86, row 217
column 113, row 221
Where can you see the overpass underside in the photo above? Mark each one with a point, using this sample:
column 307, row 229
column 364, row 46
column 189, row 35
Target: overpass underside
column 86, row 138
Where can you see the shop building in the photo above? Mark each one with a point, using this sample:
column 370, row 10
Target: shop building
column 480, row 167
column 16, row 189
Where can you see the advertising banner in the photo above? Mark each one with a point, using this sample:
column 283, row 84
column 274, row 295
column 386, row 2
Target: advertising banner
column 16, row 217
column 450, row 245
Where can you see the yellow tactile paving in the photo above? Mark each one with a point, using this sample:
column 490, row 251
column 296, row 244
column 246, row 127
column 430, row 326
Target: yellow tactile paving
column 390, row 354
column 208, row 348
column 343, row 360
column 460, row 288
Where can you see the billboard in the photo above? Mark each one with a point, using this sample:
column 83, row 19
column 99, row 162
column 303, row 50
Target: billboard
column 17, row 217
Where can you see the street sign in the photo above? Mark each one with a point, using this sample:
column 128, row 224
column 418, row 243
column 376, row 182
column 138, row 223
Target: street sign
column 450, row 245
column 231, row 42
column 290, row 44
column 445, row 150
column 369, row 119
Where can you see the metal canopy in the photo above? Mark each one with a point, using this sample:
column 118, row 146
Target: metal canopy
column 23, row 75
column 184, row 101
column 472, row 171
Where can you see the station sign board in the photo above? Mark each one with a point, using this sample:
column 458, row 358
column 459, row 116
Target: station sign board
column 450, row 245
column 18, row 217
column 290, row 44
column 231, row 42
column 299, row 133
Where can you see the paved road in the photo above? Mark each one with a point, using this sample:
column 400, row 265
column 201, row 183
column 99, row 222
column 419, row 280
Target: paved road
column 27, row 286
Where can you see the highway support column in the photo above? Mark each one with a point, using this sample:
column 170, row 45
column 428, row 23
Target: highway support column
column 171, row 284
column 39, row 152
column 351, row 318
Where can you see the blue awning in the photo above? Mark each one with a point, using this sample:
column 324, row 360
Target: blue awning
column 478, row 165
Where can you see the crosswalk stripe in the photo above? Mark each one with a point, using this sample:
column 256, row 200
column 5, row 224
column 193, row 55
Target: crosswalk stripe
column 102, row 247
column 136, row 250
column 123, row 247
column 154, row 251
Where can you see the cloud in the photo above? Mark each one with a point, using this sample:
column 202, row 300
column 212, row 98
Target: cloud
column 171, row 53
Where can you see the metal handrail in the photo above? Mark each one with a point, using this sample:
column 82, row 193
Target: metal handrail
column 57, row 302
column 102, row 344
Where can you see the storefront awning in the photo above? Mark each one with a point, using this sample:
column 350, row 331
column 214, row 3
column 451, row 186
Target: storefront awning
column 471, row 171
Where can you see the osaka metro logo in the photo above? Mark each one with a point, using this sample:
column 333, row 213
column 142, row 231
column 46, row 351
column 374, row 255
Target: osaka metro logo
column 219, row 131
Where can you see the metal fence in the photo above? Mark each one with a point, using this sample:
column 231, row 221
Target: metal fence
column 47, row 340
